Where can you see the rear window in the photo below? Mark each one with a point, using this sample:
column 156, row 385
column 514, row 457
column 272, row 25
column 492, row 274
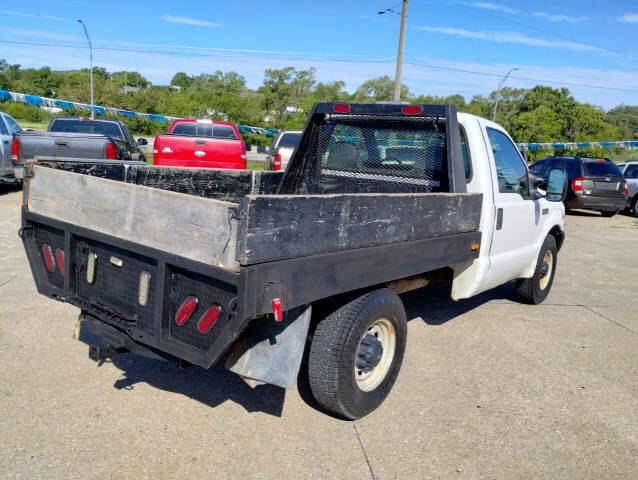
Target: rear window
column 109, row 129
column 600, row 169
column 289, row 140
column 191, row 129
column 407, row 152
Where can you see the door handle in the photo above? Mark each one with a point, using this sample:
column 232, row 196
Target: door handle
column 6, row 141
column 499, row 219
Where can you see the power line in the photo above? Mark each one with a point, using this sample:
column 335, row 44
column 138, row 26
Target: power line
column 378, row 61
column 547, row 32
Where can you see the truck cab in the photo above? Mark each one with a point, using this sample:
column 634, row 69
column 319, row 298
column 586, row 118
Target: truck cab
column 515, row 219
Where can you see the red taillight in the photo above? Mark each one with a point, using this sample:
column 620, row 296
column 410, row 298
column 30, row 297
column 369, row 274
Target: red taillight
column 412, row 110
column 185, row 310
column 208, row 319
column 59, row 256
column 626, row 189
column 156, row 146
column 276, row 310
column 49, row 261
column 577, row 184
column 111, row 151
column 341, row 108
column 277, row 162
column 15, row 150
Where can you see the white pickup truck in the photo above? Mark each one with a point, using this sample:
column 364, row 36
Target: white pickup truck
column 187, row 264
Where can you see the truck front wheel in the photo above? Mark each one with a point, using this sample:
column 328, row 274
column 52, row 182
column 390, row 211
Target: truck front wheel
column 534, row 290
column 356, row 353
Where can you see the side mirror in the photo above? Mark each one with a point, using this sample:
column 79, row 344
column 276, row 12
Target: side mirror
column 556, row 185
column 142, row 141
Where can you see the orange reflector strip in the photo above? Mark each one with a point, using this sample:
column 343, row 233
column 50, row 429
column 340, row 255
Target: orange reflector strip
column 475, row 246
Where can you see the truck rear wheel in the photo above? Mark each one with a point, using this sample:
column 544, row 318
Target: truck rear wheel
column 534, row 290
column 356, row 353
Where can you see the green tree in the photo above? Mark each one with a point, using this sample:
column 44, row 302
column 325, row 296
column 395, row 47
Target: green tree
column 378, row 89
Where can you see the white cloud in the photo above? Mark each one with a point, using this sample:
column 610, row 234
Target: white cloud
column 557, row 17
column 190, row 21
column 491, row 6
column 629, row 18
column 31, row 15
column 512, row 37
column 24, row 33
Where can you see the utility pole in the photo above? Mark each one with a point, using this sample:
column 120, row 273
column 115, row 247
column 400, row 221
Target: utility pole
column 88, row 39
column 498, row 91
column 397, row 77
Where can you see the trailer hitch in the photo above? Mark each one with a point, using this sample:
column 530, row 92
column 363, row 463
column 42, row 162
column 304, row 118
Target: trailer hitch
column 101, row 353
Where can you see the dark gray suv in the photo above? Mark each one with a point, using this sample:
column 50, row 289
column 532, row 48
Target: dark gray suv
column 594, row 183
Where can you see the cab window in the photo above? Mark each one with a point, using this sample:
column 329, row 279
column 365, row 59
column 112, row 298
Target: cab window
column 466, row 155
column 511, row 171
column 631, row 172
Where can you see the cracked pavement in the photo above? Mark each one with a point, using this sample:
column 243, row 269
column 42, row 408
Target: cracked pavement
column 489, row 388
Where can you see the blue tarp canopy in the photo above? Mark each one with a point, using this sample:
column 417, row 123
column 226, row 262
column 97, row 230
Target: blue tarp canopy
column 156, row 118
column 98, row 110
column 33, row 100
column 4, row 95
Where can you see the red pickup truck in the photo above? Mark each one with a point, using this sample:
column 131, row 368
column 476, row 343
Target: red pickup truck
column 200, row 143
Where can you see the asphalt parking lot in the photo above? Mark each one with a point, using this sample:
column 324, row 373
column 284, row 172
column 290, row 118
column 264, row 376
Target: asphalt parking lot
column 488, row 389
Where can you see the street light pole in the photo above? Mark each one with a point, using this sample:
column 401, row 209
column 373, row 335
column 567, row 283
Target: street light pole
column 498, row 90
column 397, row 77
column 88, row 39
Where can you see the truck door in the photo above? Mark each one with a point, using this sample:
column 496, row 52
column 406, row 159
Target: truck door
column 516, row 217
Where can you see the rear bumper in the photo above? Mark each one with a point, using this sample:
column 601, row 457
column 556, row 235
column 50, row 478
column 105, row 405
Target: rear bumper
column 592, row 202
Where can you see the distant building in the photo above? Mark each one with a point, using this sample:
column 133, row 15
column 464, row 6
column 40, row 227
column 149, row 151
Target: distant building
column 128, row 89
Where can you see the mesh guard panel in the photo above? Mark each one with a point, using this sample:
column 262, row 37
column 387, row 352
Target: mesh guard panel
column 355, row 155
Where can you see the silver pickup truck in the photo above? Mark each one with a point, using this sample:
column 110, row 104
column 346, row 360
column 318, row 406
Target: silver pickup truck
column 76, row 138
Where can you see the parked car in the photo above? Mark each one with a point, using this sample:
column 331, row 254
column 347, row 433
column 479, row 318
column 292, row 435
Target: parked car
column 207, row 261
column 200, row 143
column 594, row 183
column 282, row 148
column 8, row 128
column 630, row 171
column 77, row 137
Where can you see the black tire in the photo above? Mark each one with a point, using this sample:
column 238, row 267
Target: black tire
column 608, row 213
column 634, row 207
column 529, row 290
column 333, row 351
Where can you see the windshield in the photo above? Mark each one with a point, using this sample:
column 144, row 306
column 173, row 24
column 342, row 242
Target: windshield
column 289, row 140
column 71, row 125
column 600, row 169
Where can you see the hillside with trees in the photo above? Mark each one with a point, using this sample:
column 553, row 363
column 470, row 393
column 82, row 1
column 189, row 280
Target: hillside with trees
column 539, row 114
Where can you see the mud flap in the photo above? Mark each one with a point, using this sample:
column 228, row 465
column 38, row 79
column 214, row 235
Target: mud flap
column 270, row 351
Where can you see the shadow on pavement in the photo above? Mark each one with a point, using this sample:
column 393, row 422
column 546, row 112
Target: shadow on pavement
column 583, row 213
column 6, row 187
column 435, row 306
column 210, row 387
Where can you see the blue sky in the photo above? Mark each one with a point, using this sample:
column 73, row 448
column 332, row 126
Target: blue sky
column 590, row 43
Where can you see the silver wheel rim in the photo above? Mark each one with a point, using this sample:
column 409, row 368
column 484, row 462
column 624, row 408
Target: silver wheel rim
column 384, row 331
column 548, row 258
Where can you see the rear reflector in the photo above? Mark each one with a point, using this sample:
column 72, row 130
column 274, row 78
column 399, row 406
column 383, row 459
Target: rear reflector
column 142, row 292
column 208, row 319
column 59, row 256
column 185, row 311
column 474, row 247
column 341, row 108
column 90, row 267
column 49, row 261
column 276, row 310
column 412, row 110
